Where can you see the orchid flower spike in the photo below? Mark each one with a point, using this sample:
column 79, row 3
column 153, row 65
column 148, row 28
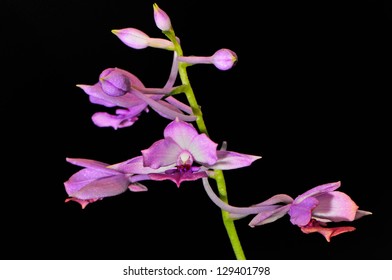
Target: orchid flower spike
column 137, row 39
column 223, row 59
column 119, row 88
column 162, row 20
column 96, row 181
column 187, row 155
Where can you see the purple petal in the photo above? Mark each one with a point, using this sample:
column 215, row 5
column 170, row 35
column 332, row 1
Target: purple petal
column 93, row 164
column 203, row 149
column 99, row 101
column 162, row 153
column 173, row 74
column 335, row 206
column 82, row 178
column 161, row 109
column 181, row 132
column 83, row 203
column 279, row 198
column 301, row 213
column 137, row 187
column 329, row 187
column 183, row 107
column 239, row 214
column 168, row 106
column 231, row 160
column 126, row 101
column 103, row 187
column 136, row 166
column 123, row 117
column 269, row 216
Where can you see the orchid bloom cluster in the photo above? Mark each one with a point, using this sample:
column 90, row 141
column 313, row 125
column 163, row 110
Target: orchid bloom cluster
column 186, row 151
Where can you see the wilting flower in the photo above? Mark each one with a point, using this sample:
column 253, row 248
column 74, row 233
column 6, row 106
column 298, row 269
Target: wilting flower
column 187, row 155
column 96, row 181
column 119, row 88
column 311, row 211
column 223, row 59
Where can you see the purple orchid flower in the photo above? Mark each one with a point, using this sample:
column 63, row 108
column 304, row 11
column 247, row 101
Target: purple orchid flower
column 119, row 88
column 98, row 180
column 311, row 211
column 314, row 209
column 187, row 155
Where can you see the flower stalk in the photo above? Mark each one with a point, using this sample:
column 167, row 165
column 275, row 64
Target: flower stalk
column 218, row 174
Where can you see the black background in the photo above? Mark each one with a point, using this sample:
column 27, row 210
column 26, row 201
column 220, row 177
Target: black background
column 309, row 94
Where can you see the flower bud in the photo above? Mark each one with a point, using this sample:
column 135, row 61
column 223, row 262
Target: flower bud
column 224, row 59
column 162, row 20
column 132, row 37
column 137, row 39
column 114, row 83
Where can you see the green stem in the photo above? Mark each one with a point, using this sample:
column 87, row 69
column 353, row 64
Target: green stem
column 219, row 177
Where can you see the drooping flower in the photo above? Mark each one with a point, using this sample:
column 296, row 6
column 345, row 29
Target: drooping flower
column 96, row 181
column 119, row 88
column 223, row 59
column 312, row 211
column 187, row 155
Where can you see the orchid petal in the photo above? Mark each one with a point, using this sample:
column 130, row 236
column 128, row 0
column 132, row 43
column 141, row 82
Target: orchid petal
column 126, row 101
column 136, row 166
column 173, row 73
column 269, row 216
column 103, row 119
column 181, row 132
column 82, row 202
column 232, row 160
column 328, row 233
column 235, row 212
column 183, row 107
column 335, row 206
column 103, row 187
column 137, row 187
column 361, row 213
column 84, row 177
column 203, row 149
column 242, row 212
column 329, row 187
column 301, row 213
column 82, row 162
column 100, row 101
column 162, row 153
column 161, row 109
column 168, row 106
column 178, row 177
column 278, row 198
